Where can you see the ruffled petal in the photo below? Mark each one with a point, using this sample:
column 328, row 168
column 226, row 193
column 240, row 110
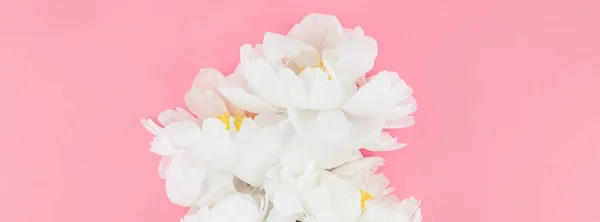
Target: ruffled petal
column 277, row 47
column 182, row 182
column 384, row 142
column 322, row 93
column 237, row 207
column 217, row 185
column 319, row 30
column 265, row 83
column 286, row 201
column 356, row 56
column 207, row 78
column 170, row 116
column 205, row 103
column 400, row 123
column 247, row 101
column 377, row 96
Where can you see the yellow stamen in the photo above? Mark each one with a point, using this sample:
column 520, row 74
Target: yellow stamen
column 364, row 196
column 238, row 118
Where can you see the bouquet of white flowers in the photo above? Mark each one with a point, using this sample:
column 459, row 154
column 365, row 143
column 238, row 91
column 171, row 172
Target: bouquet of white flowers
column 279, row 139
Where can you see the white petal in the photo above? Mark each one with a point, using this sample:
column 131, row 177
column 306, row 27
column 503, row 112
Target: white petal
column 183, row 134
column 302, row 151
column 311, row 219
column 216, row 186
column 270, row 118
column 182, row 182
column 276, row 217
column 237, row 207
column 400, row 123
column 384, row 143
column 235, row 79
column 276, row 47
column 375, row 97
column 346, row 199
column 170, row 116
column 356, row 56
column 323, row 31
column 204, row 103
column 286, row 201
column 369, row 164
column 366, row 128
column 401, row 91
column 215, row 150
column 377, row 211
column 164, row 163
column 247, row 101
column 266, row 83
column 207, row 78
column 260, row 154
column 408, row 206
column 296, row 89
column 248, row 130
column 417, row 217
column 327, row 125
column 403, row 109
column 354, row 155
column 247, row 52
column 201, row 215
column 162, row 146
column 322, row 93
column 151, row 126
column 377, row 184
column 213, row 127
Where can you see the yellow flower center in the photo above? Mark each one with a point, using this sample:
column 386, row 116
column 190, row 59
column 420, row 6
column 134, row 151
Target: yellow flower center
column 364, row 196
column 320, row 66
column 238, row 118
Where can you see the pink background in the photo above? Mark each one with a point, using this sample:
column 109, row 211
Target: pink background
column 508, row 94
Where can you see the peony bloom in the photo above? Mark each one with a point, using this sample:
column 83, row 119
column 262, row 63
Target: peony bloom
column 378, row 205
column 201, row 155
column 279, row 139
column 310, row 76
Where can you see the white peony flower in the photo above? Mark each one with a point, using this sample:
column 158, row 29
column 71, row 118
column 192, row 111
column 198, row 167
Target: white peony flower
column 205, row 101
column 186, row 183
column 311, row 76
column 279, row 139
column 237, row 207
column 378, row 205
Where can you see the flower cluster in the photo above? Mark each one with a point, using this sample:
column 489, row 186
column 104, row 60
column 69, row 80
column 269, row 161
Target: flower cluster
column 279, row 139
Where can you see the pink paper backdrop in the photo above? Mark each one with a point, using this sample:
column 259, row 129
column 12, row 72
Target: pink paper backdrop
column 508, row 94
